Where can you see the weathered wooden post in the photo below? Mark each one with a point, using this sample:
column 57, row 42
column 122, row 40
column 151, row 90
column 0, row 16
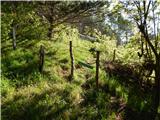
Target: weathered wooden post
column 41, row 58
column 72, row 61
column 114, row 55
column 97, row 68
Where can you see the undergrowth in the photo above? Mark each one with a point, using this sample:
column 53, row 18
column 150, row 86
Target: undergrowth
column 29, row 95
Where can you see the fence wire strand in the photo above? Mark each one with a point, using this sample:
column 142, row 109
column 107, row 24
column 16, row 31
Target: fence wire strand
column 82, row 50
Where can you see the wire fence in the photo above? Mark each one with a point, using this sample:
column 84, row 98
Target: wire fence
column 82, row 50
column 77, row 46
column 74, row 57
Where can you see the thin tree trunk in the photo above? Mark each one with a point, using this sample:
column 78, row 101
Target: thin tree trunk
column 126, row 36
column 14, row 37
column 157, row 84
column 14, row 25
column 158, row 28
column 50, row 31
column 118, row 41
column 154, row 23
column 81, row 28
column 144, row 31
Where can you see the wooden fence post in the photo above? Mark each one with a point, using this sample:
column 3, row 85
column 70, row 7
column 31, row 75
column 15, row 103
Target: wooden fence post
column 114, row 55
column 41, row 58
column 72, row 61
column 97, row 68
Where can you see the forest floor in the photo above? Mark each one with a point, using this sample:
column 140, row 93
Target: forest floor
column 29, row 95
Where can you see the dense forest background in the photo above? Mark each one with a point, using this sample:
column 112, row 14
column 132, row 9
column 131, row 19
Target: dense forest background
column 85, row 60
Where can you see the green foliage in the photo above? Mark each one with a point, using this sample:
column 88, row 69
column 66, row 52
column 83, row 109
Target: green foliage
column 27, row 94
column 51, row 91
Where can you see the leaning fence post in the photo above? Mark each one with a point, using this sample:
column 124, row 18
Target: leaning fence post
column 72, row 61
column 97, row 68
column 41, row 58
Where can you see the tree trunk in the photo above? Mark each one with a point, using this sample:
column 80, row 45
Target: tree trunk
column 14, row 37
column 81, row 28
column 118, row 42
column 126, row 36
column 50, row 31
column 157, row 84
column 154, row 26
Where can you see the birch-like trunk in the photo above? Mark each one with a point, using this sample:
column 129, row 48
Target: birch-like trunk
column 14, row 37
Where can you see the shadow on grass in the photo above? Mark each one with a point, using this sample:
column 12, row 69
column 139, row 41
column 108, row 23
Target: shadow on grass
column 139, row 100
column 5, row 49
column 103, row 99
column 43, row 106
column 137, row 105
column 21, row 69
